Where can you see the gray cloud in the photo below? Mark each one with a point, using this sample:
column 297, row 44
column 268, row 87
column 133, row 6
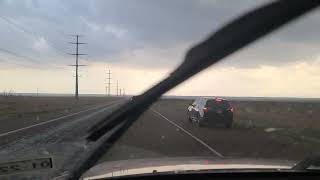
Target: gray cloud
column 114, row 27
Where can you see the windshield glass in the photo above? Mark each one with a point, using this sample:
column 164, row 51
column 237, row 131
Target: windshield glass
column 66, row 65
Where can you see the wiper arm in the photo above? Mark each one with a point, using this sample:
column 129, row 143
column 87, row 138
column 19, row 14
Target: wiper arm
column 308, row 163
column 220, row 44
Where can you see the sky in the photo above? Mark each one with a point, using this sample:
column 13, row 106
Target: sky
column 142, row 41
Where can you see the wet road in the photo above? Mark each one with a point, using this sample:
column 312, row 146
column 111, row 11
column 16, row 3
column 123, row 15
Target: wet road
column 59, row 138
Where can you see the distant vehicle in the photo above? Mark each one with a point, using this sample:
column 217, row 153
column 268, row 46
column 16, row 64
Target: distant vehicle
column 208, row 111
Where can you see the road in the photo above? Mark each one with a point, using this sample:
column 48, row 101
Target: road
column 162, row 131
column 59, row 138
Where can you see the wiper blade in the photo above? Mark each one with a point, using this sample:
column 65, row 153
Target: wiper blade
column 220, row 44
column 308, row 164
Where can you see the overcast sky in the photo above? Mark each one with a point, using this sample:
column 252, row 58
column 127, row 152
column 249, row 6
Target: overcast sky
column 141, row 41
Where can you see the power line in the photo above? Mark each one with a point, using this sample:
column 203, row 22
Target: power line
column 14, row 63
column 37, row 35
column 23, row 56
column 77, row 64
column 109, row 83
column 18, row 55
column 9, row 21
column 33, row 33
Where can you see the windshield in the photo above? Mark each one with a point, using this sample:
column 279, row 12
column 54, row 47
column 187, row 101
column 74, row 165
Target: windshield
column 66, row 65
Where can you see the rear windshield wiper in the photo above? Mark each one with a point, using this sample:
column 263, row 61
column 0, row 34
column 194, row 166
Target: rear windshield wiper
column 229, row 39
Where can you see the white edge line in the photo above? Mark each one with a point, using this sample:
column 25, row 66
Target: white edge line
column 61, row 176
column 55, row 119
column 188, row 133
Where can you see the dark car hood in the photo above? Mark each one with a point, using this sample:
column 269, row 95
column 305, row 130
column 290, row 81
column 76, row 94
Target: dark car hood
column 182, row 164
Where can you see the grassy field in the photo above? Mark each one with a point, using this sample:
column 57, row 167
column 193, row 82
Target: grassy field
column 297, row 115
column 13, row 107
column 297, row 120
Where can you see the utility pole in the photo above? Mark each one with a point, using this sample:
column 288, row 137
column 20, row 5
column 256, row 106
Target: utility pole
column 77, row 63
column 117, row 88
column 120, row 92
column 109, row 84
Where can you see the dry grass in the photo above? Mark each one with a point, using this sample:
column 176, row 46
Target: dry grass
column 288, row 115
column 13, row 107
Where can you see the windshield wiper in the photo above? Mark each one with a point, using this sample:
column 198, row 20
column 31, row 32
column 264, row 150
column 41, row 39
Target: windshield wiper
column 310, row 163
column 220, row 44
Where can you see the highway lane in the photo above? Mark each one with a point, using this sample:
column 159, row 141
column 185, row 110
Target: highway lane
column 44, row 122
column 41, row 110
column 58, row 138
column 18, row 130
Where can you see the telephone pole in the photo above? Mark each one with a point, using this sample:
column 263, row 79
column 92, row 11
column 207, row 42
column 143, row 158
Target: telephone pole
column 77, row 63
column 117, row 88
column 109, row 84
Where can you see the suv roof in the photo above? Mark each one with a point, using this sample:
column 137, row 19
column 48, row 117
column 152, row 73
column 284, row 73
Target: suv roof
column 213, row 98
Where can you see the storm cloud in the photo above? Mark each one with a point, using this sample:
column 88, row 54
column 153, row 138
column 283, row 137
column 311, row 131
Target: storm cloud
column 135, row 31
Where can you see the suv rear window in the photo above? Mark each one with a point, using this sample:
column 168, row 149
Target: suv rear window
column 223, row 104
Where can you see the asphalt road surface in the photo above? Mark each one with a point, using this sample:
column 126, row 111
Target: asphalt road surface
column 59, row 138
column 162, row 131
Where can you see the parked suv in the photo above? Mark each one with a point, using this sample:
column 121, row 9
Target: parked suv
column 211, row 111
